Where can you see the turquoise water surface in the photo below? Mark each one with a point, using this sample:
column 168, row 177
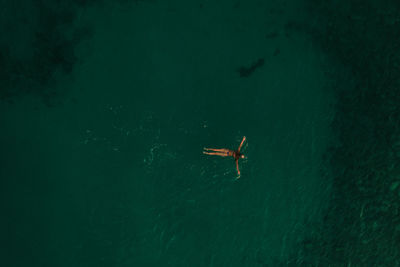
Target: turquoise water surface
column 102, row 145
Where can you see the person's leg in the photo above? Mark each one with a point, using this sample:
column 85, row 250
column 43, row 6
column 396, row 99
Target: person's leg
column 217, row 149
column 222, row 154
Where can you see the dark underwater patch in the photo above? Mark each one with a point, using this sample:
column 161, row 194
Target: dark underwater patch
column 361, row 227
column 247, row 71
column 37, row 40
column 41, row 42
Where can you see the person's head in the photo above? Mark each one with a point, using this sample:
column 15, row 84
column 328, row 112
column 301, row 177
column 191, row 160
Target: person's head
column 242, row 156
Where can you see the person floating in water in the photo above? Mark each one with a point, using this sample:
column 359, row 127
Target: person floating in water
column 223, row 152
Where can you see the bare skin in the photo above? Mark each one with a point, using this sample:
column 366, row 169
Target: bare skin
column 224, row 152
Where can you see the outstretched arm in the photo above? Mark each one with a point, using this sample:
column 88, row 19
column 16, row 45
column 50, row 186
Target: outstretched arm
column 237, row 168
column 240, row 146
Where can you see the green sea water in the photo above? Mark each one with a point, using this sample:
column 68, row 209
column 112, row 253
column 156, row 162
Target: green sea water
column 111, row 172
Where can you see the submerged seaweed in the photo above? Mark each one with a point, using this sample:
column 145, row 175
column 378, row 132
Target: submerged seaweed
column 362, row 224
column 37, row 45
